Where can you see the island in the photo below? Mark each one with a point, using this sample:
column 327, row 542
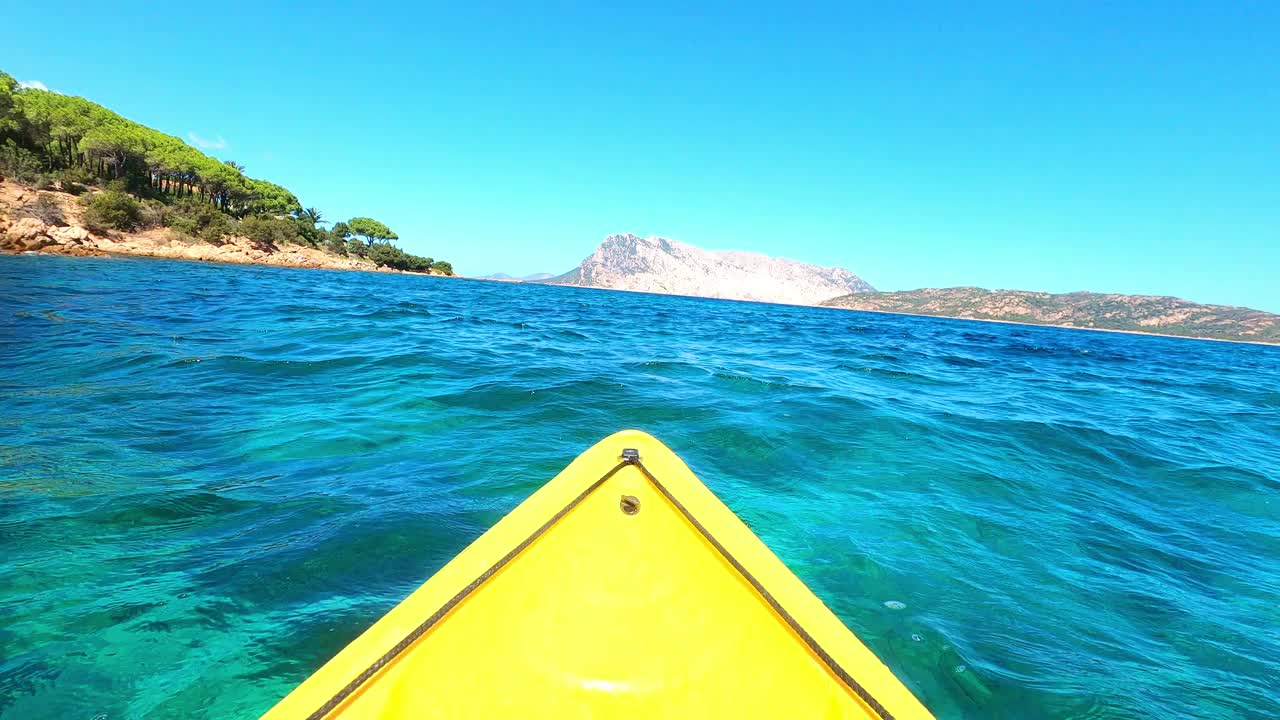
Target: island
column 1155, row 314
column 79, row 179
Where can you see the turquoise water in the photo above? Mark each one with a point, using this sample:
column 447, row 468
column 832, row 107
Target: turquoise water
column 212, row 478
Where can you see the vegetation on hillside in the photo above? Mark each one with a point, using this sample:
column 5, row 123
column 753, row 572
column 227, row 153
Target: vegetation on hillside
column 1100, row 311
column 55, row 141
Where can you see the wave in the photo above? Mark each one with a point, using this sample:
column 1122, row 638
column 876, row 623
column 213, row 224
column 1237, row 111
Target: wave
column 203, row 459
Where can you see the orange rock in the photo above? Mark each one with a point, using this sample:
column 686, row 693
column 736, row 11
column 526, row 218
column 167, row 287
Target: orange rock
column 70, row 235
column 25, row 229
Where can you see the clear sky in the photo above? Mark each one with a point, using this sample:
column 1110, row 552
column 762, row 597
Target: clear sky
column 1124, row 147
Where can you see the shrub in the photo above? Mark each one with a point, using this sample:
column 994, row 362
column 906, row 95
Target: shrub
column 199, row 219
column 220, row 227
column 335, row 244
column 153, row 213
column 307, row 233
column 269, row 230
column 391, row 256
column 74, row 180
column 181, row 237
column 384, row 254
column 18, row 163
column 75, row 174
column 442, row 266
column 111, row 210
column 357, row 248
column 45, row 209
column 181, row 223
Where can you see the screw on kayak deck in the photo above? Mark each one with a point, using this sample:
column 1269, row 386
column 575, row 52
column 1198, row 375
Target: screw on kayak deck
column 630, row 504
column 630, row 455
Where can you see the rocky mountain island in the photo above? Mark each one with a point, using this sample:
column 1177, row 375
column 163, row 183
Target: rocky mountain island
column 661, row 265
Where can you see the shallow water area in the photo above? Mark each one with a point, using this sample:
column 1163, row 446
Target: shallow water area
column 213, row 477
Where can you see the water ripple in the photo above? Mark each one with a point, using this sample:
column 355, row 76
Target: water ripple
column 198, row 462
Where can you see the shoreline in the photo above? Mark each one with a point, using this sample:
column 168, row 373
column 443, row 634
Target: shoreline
column 22, row 233
column 115, row 255
column 227, row 253
column 922, row 315
column 392, row 271
column 1060, row 327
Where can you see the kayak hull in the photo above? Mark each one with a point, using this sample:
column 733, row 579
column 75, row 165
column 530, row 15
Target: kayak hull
column 621, row 588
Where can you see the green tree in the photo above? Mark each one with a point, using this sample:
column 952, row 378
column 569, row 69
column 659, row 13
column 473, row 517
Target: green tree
column 8, row 116
column 265, row 198
column 308, row 221
column 371, row 230
column 116, row 146
column 18, row 162
column 45, row 137
column 313, row 216
column 340, row 241
column 334, row 244
column 389, row 255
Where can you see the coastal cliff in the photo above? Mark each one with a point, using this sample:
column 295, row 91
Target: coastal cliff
column 670, row 267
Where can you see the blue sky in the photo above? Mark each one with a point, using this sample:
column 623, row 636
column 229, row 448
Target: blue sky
column 1102, row 146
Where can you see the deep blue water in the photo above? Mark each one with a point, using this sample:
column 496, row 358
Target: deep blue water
column 213, row 477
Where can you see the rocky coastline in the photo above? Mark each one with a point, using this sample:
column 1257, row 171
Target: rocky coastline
column 50, row 222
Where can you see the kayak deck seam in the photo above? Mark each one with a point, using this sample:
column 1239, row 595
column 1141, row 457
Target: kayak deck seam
column 794, row 624
column 628, row 458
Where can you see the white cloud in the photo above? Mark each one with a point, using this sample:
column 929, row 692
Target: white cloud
column 206, row 143
column 33, row 84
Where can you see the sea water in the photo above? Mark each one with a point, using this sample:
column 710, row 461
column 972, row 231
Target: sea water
column 213, row 477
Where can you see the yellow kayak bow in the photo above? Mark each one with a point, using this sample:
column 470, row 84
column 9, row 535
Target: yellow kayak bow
column 623, row 588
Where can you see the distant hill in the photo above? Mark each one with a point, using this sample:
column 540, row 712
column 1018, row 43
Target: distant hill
column 1131, row 313
column 526, row 278
column 660, row 265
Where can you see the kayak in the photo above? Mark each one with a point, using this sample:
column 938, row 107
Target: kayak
column 623, row 588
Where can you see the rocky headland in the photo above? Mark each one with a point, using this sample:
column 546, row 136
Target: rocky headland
column 670, row 267
column 48, row 221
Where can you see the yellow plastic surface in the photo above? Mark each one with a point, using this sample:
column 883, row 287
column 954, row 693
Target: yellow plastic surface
column 609, row 615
